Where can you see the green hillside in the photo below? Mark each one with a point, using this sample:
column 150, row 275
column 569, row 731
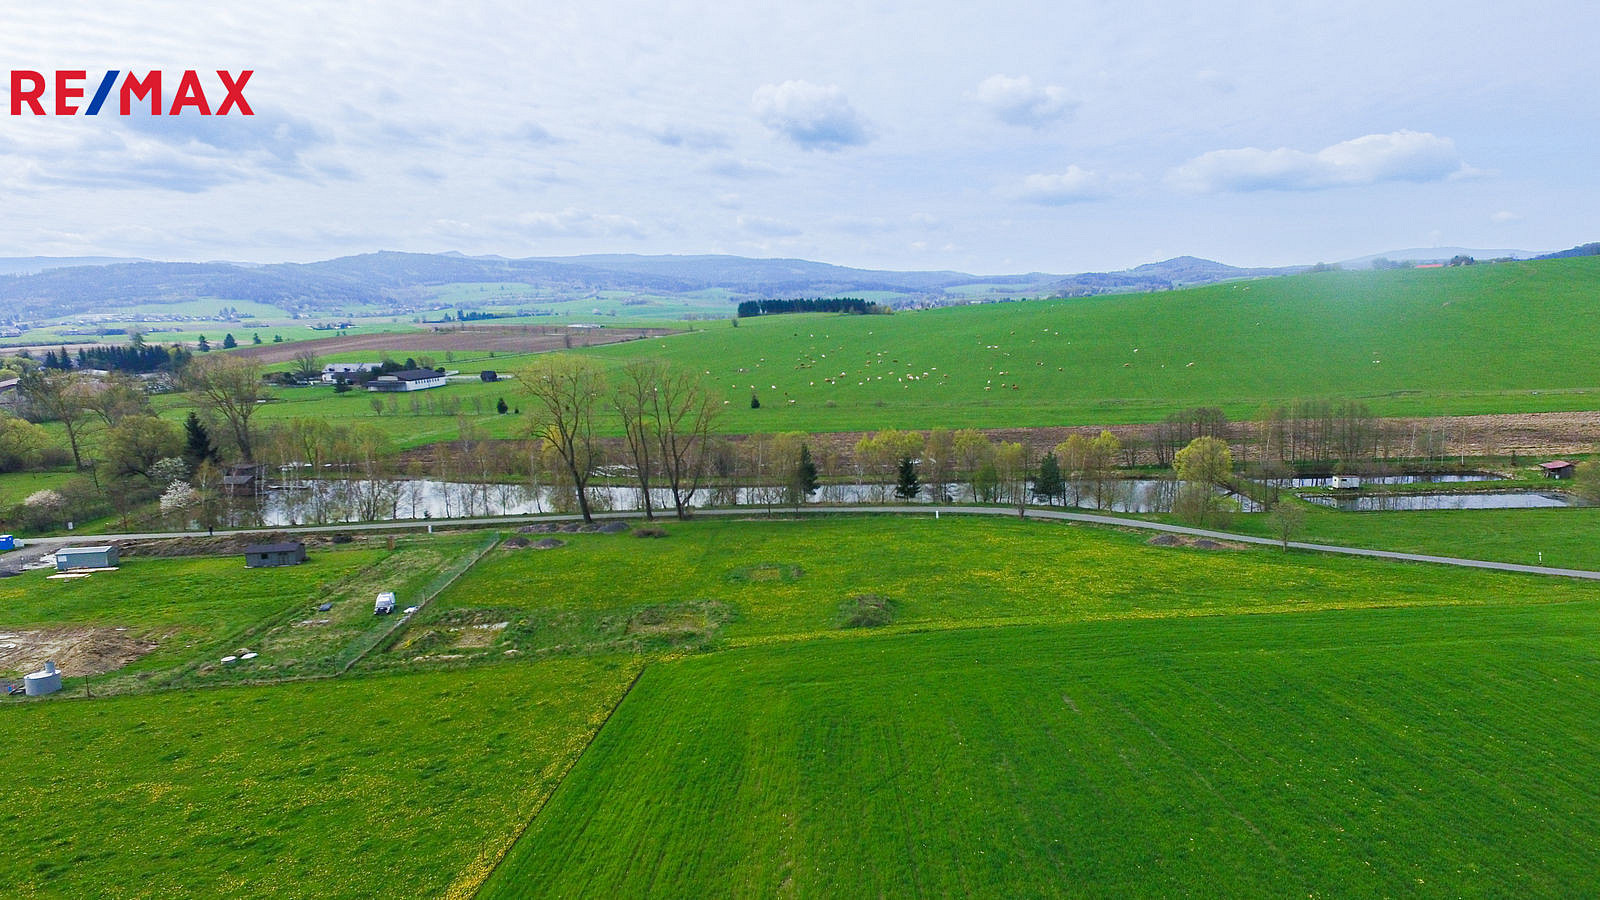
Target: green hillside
column 1510, row 337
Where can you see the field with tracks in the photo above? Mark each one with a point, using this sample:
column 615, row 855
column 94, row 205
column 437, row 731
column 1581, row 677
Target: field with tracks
column 855, row 704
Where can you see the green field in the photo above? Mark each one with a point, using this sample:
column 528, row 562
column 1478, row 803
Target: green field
column 785, row 580
column 1433, row 752
column 1564, row 537
column 364, row 787
column 1514, row 337
column 1043, row 708
column 187, row 612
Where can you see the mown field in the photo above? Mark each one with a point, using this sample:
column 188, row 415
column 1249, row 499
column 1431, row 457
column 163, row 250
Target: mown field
column 1563, row 538
column 362, row 787
column 1445, row 751
column 1022, row 708
column 786, row 580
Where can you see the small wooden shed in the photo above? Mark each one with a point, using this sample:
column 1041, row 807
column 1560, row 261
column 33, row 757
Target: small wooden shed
column 69, row 558
column 1558, row 468
column 288, row 553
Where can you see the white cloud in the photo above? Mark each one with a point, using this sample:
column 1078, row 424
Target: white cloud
column 1017, row 101
column 1505, row 217
column 765, row 227
column 576, row 223
column 813, row 116
column 1075, row 185
column 689, row 138
column 741, row 169
column 1370, row 159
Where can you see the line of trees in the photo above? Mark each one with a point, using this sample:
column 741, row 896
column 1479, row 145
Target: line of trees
column 667, row 413
column 774, row 306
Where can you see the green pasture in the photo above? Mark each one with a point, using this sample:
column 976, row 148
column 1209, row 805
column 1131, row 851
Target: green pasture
column 1567, row 537
column 1443, row 751
column 1513, row 337
column 730, row 582
column 188, row 606
column 360, row 787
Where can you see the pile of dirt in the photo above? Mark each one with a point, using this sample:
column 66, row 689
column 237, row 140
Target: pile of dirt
column 76, row 649
column 612, row 527
column 522, row 543
column 1168, row 539
column 218, row 545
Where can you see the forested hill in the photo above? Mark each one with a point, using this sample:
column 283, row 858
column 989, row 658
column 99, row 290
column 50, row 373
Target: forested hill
column 403, row 281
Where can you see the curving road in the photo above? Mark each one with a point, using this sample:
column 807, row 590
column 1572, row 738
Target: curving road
column 36, row 548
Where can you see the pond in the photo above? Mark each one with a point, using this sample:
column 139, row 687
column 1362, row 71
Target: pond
column 1415, row 478
column 1397, row 502
column 332, row 500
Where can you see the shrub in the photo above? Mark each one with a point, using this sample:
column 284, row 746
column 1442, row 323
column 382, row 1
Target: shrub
column 866, row 611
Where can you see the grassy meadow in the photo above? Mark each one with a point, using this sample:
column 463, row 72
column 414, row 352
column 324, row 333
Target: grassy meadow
column 1496, row 338
column 1392, row 340
column 190, row 611
column 840, row 705
column 1441, row 751
column 362, row 787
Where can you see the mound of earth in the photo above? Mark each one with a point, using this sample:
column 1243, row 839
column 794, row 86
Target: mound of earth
column 76, row 649
column 1168, row 539
column 611, row 527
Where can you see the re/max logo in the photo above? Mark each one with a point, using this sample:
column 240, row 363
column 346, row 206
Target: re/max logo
column 28, row 90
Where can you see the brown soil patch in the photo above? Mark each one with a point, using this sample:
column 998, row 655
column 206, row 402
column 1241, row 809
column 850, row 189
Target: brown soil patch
column 498, row 338
column 477, row 636
column 1198, row 543
column 77, row 650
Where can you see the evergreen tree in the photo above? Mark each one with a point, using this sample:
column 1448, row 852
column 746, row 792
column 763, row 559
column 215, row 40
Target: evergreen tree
column 277, row 339
column 501, row 406
column 255, row 338
column 204, row 346
column 755, row 402
column 1049, row 484
column 805, row 474
column 228, row 343
column 907, row 485
column 197, row 442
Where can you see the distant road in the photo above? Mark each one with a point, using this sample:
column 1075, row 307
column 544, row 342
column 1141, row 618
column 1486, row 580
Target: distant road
column 41, row 546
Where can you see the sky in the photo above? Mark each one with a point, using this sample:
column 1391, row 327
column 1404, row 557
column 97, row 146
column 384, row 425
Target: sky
column 987, row 138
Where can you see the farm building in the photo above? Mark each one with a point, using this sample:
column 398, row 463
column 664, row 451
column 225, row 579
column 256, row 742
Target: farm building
column 1558, row 468
column 69, row 558
column 336, row 372
column 409, row 380
column 243, row 479
column 288, row 553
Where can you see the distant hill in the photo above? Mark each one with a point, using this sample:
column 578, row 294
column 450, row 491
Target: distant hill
column 1580, row 250
column 28, row 265
column 1435, row 254
column 403, row 282
column 1182, row 271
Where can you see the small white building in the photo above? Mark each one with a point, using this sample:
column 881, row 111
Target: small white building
column 336, row 372
column 44, row 681
column 1345, row 482
column 409, row 380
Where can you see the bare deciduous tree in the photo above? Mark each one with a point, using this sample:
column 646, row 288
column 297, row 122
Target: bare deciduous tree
column 633, row 397
column 564, row 393
column 53, row 394
column 229, row 386
column 681, row 414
